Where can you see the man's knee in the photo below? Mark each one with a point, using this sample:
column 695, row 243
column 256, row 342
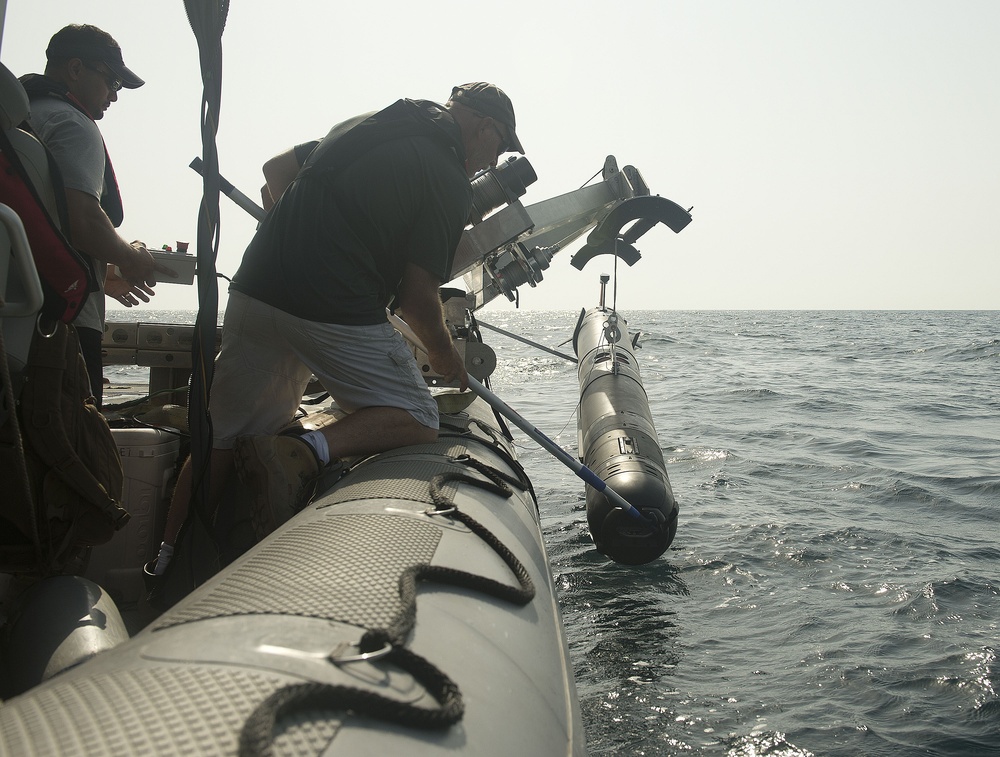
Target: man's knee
column 411, row 431
column 424, row 434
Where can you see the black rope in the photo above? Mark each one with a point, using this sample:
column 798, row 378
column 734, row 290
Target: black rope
column 464, row 433
column 397, row 632
column 256, row 738
column 521, row 481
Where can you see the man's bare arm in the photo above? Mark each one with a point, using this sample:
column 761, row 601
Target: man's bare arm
column 420, row 306
column 92, row 232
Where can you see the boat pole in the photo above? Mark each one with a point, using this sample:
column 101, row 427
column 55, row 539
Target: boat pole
column 530, row 343
column 581, row 470
column 233, row 193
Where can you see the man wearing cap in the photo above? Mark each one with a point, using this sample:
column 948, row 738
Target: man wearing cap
column 371, row 220
column 83, row 75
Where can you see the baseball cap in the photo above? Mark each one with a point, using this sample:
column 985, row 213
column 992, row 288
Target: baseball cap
column 87, row 42
column 489, row 100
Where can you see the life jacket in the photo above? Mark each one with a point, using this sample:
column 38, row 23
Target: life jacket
column 38, row 86
column 67, row 276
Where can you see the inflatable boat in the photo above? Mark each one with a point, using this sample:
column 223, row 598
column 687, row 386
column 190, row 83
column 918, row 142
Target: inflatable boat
column 408, row 609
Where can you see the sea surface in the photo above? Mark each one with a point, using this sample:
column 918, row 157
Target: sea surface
column 834, row 585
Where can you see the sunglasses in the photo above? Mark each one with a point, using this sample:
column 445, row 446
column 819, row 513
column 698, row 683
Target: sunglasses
column 504, row 138
column 504, row 145
column 113, row 82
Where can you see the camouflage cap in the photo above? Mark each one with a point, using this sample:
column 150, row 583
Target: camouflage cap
column 489, row 100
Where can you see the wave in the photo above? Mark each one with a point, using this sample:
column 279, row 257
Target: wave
column 755, row 393
column 988, row 350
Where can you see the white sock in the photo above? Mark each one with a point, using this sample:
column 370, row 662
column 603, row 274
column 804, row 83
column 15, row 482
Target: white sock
column 317, row 441
column 163, row 559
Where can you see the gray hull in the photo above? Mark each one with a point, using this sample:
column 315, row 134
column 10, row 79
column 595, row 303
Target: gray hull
column 284, row 631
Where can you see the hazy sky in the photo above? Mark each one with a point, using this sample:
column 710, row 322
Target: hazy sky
column 837, row 154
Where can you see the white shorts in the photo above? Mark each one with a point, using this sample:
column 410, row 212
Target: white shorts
column 268, row 357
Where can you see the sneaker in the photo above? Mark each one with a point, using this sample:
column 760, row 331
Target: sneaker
column 280, row 472
column 154, row 584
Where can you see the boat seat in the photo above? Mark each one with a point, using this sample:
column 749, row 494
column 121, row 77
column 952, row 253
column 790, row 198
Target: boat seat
column 19, row 287
column 21, row 300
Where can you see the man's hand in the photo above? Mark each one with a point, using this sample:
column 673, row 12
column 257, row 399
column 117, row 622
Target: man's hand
column 121, row 290
column 420, row 304
column 450, row 365
column 93, row 234
column 141, row 269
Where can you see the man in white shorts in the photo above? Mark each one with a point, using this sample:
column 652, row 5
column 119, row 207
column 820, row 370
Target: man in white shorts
column 371, row 220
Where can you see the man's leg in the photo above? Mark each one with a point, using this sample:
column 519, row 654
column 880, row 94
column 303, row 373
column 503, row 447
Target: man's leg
column 257, row 387
column 220, row 472
column 371, row 374
column 375, row 429
column 281, row 471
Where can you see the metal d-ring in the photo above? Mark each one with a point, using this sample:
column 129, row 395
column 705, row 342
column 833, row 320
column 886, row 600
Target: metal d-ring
column 38, row 328
column 432, row 511
column 363, row 657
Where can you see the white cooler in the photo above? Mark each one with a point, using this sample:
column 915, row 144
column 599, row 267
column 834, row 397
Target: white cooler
column 148, row 457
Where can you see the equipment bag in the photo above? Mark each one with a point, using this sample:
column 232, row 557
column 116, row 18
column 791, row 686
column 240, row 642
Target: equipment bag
column 74, row 469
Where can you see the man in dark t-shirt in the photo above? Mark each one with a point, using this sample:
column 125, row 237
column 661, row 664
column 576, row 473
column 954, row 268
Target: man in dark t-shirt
column 401, row 201
column 371, row 220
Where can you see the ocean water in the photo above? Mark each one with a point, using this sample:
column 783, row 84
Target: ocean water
column 834, row 585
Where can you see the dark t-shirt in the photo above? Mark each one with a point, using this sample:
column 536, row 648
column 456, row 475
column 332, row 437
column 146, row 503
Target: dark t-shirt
column 335, row 246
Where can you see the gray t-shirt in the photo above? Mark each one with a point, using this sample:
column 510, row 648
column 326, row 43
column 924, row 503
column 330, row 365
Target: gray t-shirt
column 76, row 144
